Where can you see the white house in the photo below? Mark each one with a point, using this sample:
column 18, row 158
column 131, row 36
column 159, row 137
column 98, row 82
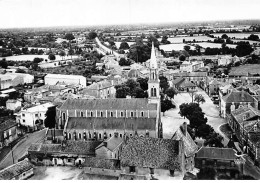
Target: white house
column 23, row 78
column 5, row 81
column 225, row 60
column 33, row 116
column 53, row 79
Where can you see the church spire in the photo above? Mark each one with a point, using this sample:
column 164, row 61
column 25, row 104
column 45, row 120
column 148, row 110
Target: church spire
column 153, row 62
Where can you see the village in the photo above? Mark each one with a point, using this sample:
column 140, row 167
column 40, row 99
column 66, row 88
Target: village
column 142, row 103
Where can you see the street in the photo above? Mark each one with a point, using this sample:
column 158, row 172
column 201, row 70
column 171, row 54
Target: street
column 21, row 148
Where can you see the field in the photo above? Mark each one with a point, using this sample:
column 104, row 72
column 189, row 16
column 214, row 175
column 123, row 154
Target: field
column 236, row 35
column 31, row 57
column 177, row 47
column 215, row 45
column 188, row 38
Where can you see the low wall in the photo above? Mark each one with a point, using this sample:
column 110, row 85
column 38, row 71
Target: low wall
column 102, row 171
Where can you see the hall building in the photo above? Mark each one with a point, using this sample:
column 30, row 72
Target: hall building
column 99, row 119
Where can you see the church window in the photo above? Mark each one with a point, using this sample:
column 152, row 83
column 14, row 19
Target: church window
column 91, row 114
column 90, row 135
column 101, row 114
column 153, row 76
column 69, row 136
column 142, row 114
column 111, row 114
column 110, row 135
column 132, row 114
column 79, row 135
column 100, row 136
column 121, row 114
column 81, row 114
column 120, row 135
column 63, row 116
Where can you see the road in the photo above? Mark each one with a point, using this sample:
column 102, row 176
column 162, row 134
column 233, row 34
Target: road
column 21, row 148
column 172, row 120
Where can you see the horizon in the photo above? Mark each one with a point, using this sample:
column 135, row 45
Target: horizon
column 62, row 13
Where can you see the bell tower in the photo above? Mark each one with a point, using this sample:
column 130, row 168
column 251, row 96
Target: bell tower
column 153, row 82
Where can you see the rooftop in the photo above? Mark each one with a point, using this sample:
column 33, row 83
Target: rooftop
column 216, row 153
column 62, row 76
column 14, row 170
column 108, row 104
column 151, row 152
column 112, row 143
column 238, row 96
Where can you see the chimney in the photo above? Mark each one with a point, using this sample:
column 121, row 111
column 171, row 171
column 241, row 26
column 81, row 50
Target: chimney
column 185, row 129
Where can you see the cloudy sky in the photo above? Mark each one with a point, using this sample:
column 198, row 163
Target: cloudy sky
column 42, row 13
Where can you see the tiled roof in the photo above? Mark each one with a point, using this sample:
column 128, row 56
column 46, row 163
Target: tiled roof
column 190, row 74
column 109, row 104
column 73, row 147
column 239, row 113
column 75, row 123
column 187, row 84
column 15, row 170
column 178, row 81
column 151, row 152
column 7, row 125
column 190, row 147
column 238, row 96
column 244, row 70
column 101, row 163
column 216, row 153
column 111, row 143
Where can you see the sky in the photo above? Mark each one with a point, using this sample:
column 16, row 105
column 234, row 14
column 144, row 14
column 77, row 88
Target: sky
column 47, row 13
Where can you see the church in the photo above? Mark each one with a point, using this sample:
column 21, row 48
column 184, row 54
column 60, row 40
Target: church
column 99, row 119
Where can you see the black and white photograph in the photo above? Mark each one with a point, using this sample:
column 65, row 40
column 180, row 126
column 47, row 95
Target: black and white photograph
column 129, row 90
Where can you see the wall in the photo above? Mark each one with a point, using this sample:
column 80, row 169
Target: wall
column 101, row 171
column 26, row 174
column 4, row 84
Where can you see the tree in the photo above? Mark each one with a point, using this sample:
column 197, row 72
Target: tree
column 139, row 52
column 170, row 92
column 253, row 37
column 51, row 56
column 143, row 83
column 37, row 60
column 124, row 62
column 20, row 71
column 199, row 98
column 71, row 52
column 164, row 40
column 3, row 64
column 122, row 91
column 166, row 105
column 243, row 49
column 224, row 36
column 132, row 84
column 204, row 131
column 163, row 83
column 69, row 36
column 187, row 48
column 49, row 121
column 182, row 58
column 92, row 35
column 62, row 54
column 153, row 39
column 140, row 93
column 214, row 140
column 124, row 45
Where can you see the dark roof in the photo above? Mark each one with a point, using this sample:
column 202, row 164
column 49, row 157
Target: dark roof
column 16, row 169
column 216, row 153
column 151, row 152
column 111, row 123
column 101, row 163
column 112, row 143
column 109, row 104
column 7, row 125
column 238, row 96
column 178, row 81
column 190, row 147
column 70, row 147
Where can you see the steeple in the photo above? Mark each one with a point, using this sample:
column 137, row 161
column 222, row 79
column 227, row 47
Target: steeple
column 153, row 62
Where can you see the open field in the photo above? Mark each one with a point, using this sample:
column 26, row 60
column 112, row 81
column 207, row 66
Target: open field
column 177, row 47
column 178, row 39
column 215, row 45
column 31, row 57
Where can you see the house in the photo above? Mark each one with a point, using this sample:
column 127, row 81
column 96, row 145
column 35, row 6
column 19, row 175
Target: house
column 24, row 78
column 98, row 117
column 245, row 123
column 53, row 79
column 102, row 89
column 13, row 104
column 214, row 87
column 234, row 100
column 190, row 147
column 152, row 156
column 221, row 159
column 18, row 171
column 225, row 60
column 5, row 81
column 33, row 116
column 8, row 132
column 183, row 85
column 186, row 67
column 69, row 153
column 110, row 148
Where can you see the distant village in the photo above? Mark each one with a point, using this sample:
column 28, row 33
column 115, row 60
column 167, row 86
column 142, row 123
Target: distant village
column 123, row 105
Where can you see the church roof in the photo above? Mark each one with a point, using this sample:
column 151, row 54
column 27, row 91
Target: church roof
column 153, row 62
column 97, row 123
column 108, row 104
